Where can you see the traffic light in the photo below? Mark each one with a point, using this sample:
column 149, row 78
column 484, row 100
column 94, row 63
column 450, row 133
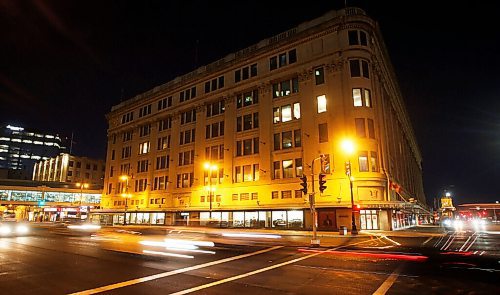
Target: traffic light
column 348, row 168
column 303, row 184
column 322, row 182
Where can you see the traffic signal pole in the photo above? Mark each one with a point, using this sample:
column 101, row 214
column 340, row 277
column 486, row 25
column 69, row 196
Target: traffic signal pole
column 314, row 215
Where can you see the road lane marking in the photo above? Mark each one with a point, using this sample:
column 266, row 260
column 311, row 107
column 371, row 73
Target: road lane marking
column 472, row 243
column 426, row 241
column 387, row 284
column 251, row 273
column 170, row 273
column 465, row 244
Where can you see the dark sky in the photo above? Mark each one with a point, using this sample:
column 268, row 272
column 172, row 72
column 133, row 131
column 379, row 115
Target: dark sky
column 63, row 64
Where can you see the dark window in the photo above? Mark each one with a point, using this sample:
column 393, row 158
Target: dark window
column 292, row 56
column 207, row 87
column 353, row 38
column 253, row 70
column 371, row 129
column 362, row 38
column 319, row 75
column 246, row 73
column 282, row 59
column 277, row 141
column 366, row 72
column 360, row 127
column 237, row 76
column 273, row 63
column 297, row 138
column 323, row 132
column 354, row 66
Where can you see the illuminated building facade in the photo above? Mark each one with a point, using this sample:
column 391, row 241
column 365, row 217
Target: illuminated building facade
column 20, row 149
column 260, row 116
column 46, row 201
column 68, row 168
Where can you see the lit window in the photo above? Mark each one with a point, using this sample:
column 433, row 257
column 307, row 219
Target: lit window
column 144, row 148
column 368, row 99
column 276, row 115
column 374, row 161
column 296, row 110
column 286, row 113
column 321, row 103
column 287, row 168
column 363, row 162
column 356, row 97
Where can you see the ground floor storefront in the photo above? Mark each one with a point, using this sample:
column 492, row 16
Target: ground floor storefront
column 328, row 219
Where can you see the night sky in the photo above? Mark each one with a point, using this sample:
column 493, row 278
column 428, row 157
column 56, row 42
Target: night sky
column 63, row 64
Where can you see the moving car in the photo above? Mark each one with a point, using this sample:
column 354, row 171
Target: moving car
column 14, row 228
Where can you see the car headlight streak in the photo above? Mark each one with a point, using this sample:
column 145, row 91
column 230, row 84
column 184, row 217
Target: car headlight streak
column 178, row 245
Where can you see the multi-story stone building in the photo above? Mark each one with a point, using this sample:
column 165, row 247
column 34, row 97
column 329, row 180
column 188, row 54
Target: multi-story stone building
column 260, row 117
column 68, row 168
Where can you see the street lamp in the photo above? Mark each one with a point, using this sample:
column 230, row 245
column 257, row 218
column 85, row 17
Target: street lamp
column 81, row 185
column 349, row 149
column 210, row 168
column 125, row 195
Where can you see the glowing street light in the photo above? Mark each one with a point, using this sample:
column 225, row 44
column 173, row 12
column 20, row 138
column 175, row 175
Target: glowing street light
column 349, row 149
column 81, row 185
column 126, row 195
column 209, row 167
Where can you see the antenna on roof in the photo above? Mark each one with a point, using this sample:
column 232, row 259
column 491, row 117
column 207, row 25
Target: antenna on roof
column 71, row 143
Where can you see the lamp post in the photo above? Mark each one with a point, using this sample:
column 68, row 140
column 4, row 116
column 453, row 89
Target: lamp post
column 348, row 148
column 314, row 241
column 125, row 195
column 209, row 167
column 81, row 185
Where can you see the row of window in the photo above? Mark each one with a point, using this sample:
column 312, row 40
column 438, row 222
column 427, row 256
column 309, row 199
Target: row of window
column 246, row 173
column 245, row 197
column 286, row 194
column 286, row 168
column 214, row 84
column 245, row 73
column 361, row 98
column 359, row 68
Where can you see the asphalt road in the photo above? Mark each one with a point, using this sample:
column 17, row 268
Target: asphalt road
column 59, row 262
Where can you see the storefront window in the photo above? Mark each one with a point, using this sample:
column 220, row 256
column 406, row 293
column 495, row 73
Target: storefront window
column 279, row 219
column 295, row 219
column 238, row 219
column 251, row 219
column 369, row 219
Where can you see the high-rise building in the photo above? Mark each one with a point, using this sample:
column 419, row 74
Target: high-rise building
column 68, row 168
column 227, row 143
column 21, row 148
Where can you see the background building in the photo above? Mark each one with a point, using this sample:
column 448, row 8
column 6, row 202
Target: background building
column 47, row 201
column 68, row 168
column 227, row 142
column 20, row 149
